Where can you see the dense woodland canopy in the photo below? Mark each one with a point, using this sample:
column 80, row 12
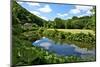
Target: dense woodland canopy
column 85, row 22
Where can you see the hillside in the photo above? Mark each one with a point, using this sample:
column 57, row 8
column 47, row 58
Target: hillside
column 21, row 15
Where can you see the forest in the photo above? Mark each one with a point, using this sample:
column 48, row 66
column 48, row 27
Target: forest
column 27, row 27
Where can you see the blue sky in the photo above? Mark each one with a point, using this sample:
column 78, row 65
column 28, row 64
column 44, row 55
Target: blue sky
column 50, row 11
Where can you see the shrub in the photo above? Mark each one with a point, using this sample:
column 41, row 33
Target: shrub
column 81, row 37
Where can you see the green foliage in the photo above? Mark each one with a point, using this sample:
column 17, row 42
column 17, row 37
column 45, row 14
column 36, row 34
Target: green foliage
column 81, row 37
column 61, row 35
column 22, row 16
column 85, row 22
column 16, row 29
column 25, row 54
column 49, row 33
column 27, row 27
column 59, row 23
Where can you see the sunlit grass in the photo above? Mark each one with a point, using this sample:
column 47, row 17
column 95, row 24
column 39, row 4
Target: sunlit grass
column 76, row 31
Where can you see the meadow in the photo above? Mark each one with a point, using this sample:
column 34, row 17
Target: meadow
column 76, row 31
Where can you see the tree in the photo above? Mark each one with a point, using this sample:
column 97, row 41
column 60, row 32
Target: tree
column 59, row 23
column 74, row 17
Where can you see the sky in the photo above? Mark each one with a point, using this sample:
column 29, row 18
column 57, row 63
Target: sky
column 50, row 11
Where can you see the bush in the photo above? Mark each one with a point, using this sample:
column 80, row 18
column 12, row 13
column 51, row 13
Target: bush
column 81, row 37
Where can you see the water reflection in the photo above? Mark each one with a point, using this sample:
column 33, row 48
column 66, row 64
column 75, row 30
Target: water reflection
column 63, row 49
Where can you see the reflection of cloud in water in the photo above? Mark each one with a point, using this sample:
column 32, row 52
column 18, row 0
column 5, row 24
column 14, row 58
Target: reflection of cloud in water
column 82, row 50
column 46, row 45
column 63, row 48
column 37, row 41
column 43, row 42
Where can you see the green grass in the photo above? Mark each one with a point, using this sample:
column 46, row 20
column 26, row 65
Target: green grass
column 76, row 31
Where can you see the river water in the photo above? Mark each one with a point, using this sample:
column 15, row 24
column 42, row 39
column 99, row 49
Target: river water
column 64, row 49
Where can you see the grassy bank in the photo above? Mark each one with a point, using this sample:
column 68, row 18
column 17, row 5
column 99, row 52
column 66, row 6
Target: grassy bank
column 86, row 37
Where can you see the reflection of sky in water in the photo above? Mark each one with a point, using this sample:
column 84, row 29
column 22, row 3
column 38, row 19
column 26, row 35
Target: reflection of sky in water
column 82, row 50
column 62, row 49
column 44, row 42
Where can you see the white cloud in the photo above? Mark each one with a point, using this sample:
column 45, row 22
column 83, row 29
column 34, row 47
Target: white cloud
column 45, row 9
column 45, row 18
column 33, row 4
column 38, row 14
column 69, row 17
column 86, row 14
column 81, row 15
column 89, row 12
column 35, row 12
column 62, row 15
column 74, row 11
column 20, row 2
column 84, row 8
column 78, row 9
